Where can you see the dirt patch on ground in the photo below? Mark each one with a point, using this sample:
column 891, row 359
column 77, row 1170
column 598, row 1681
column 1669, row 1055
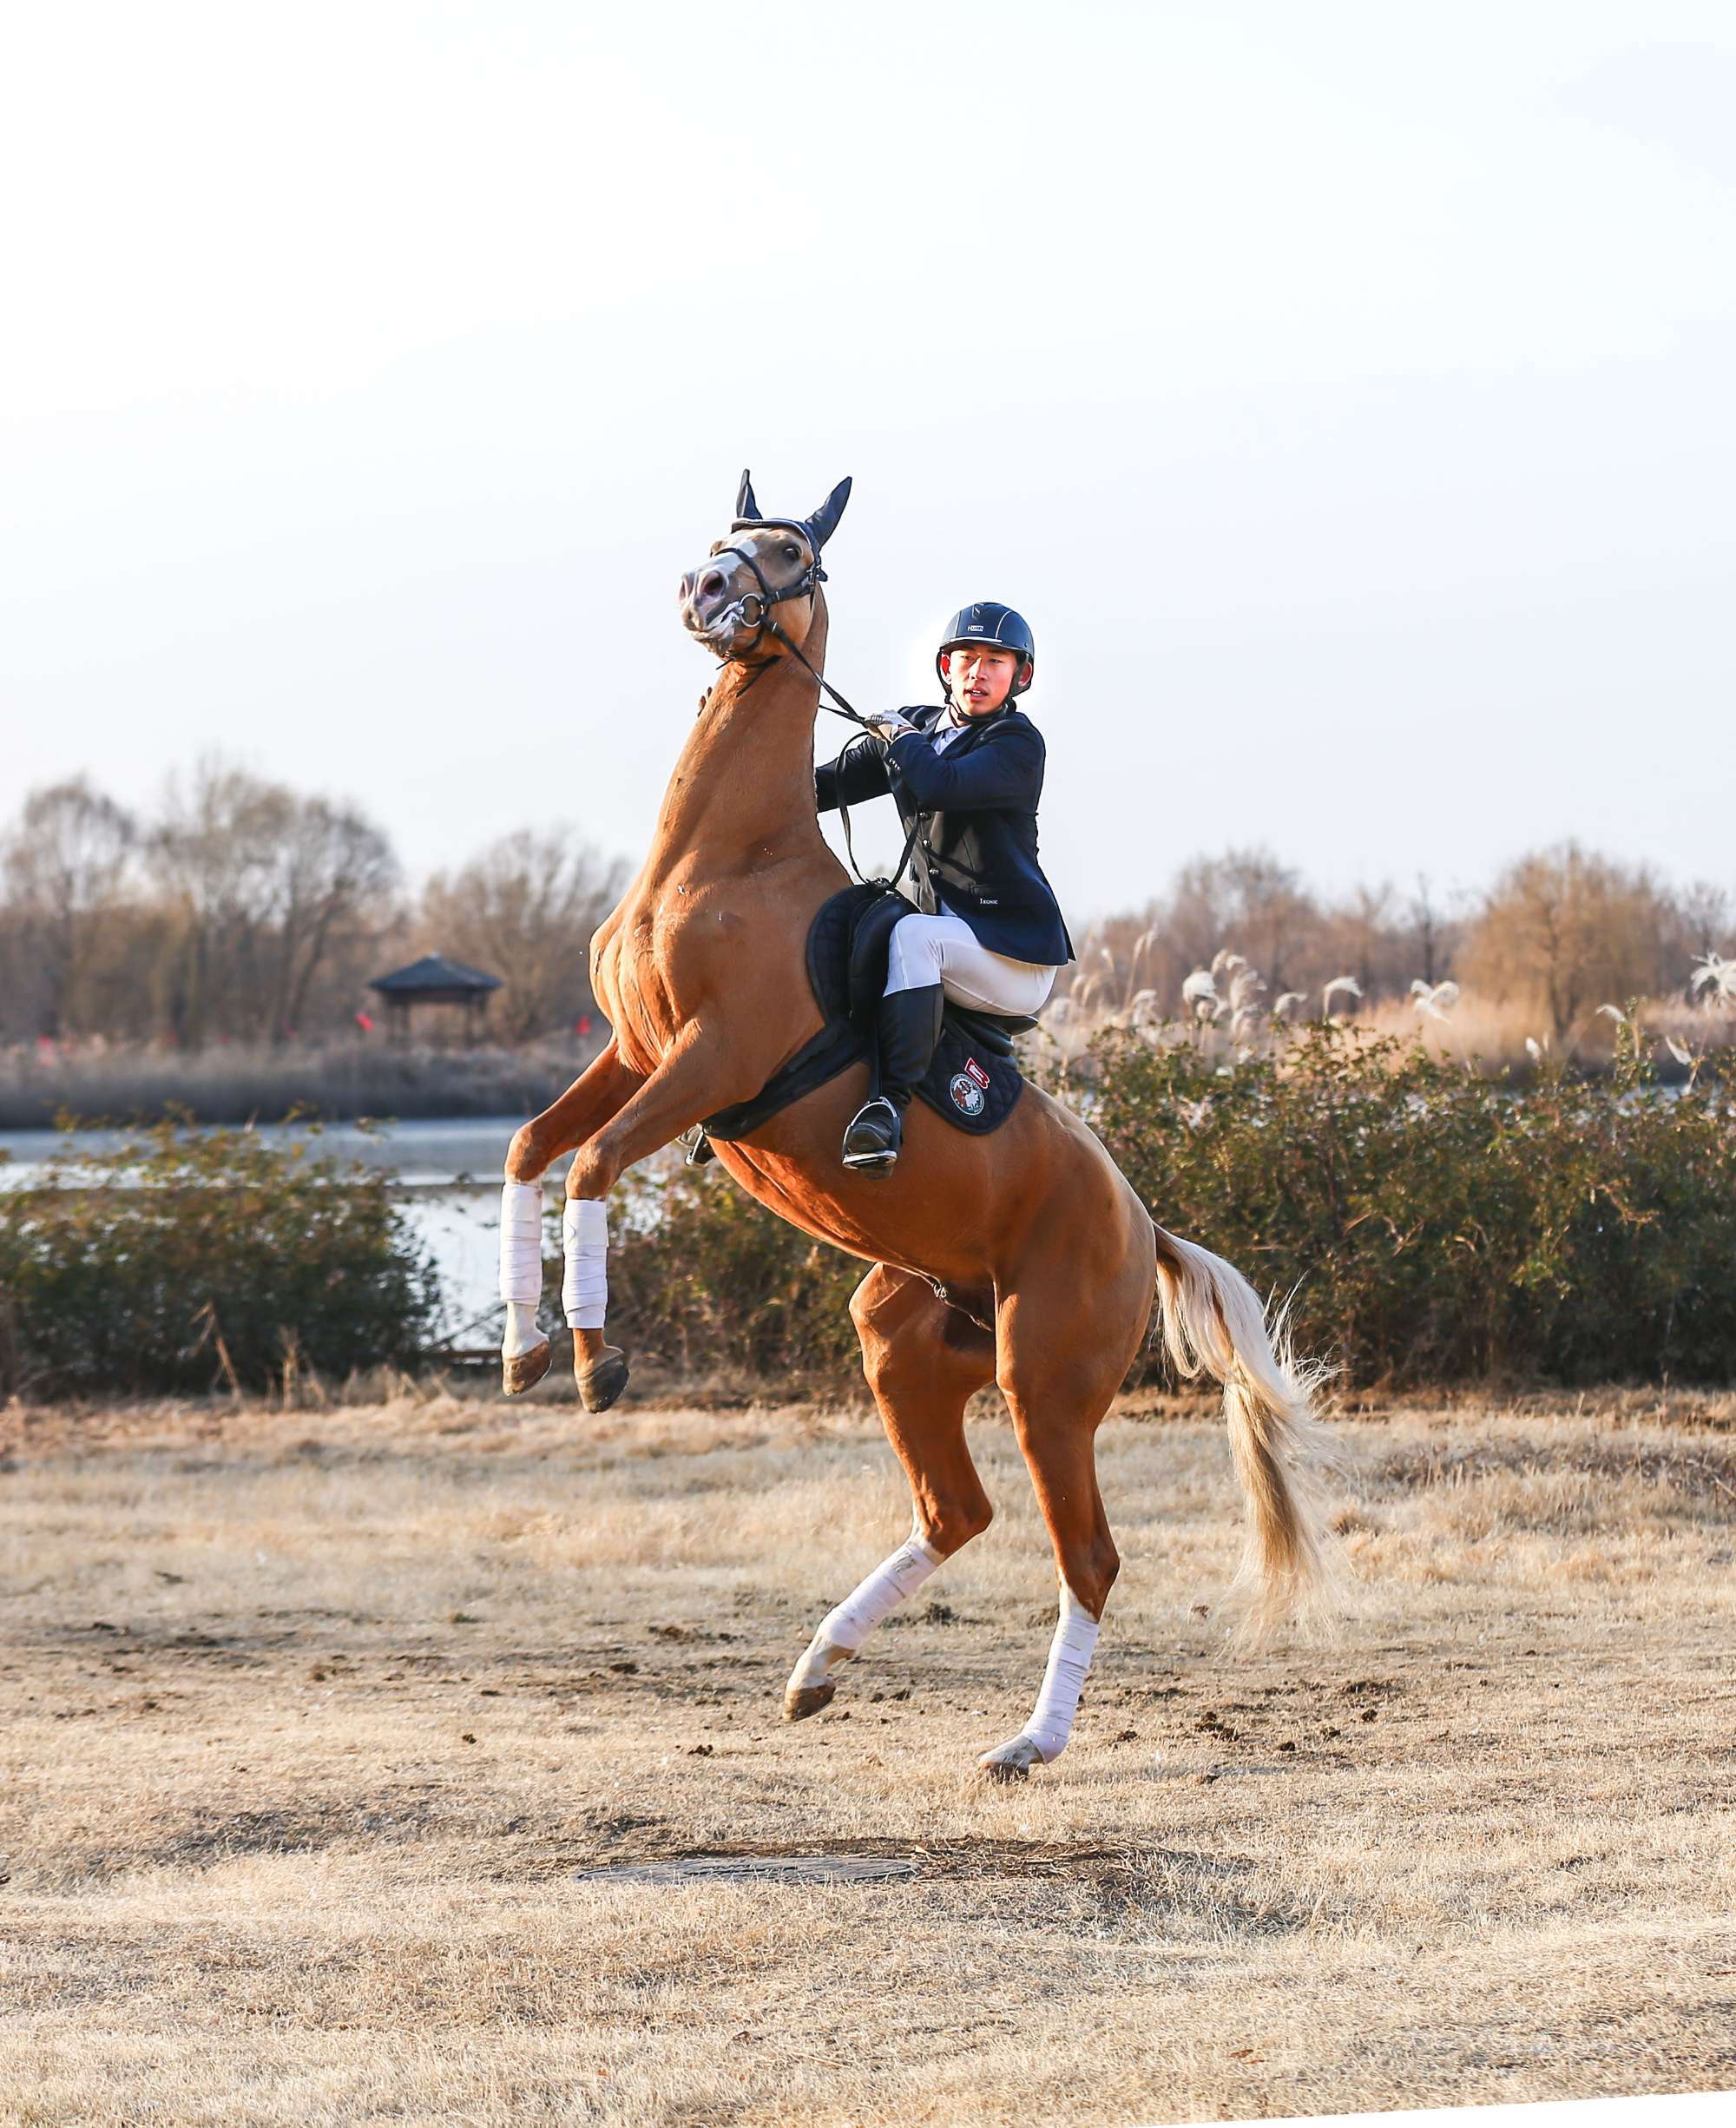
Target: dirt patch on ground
column 426, row 1758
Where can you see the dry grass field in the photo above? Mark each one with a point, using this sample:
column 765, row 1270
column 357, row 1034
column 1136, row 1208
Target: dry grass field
column 326, row 1730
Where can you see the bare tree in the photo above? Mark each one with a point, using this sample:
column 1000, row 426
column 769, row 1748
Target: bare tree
column 525, row 910
column 1248, row 899
column 64, row 867
column 1363, row 940
column 335, row 870
column 1569, row 931
column 1433, row 937
column 1704, row 922
column 262, row 887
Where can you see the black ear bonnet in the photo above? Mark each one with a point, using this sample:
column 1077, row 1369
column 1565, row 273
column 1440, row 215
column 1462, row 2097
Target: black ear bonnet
column 816, row 530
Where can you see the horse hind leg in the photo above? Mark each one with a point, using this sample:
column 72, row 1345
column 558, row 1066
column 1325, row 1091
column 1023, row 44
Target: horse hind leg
column 923, row 1361
column 1063, row 1464
column 1059, row 1380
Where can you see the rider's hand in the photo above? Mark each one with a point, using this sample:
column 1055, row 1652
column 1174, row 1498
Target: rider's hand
column 887, row 724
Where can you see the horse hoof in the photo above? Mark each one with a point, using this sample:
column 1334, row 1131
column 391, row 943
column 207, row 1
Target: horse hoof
column 802, row 1700
column 599, row 1385
column 1009, row 1761
column 520, row 1371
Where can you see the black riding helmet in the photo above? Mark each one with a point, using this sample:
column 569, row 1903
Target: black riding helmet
column 990, row 622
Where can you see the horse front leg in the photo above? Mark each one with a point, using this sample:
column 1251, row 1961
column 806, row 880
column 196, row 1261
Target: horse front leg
column 597, row 1093
column 695, row 1080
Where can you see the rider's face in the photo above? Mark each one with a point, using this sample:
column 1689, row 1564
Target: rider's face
column 981, row 678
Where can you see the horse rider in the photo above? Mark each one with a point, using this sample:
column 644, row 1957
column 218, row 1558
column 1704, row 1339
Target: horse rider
column 966, row 775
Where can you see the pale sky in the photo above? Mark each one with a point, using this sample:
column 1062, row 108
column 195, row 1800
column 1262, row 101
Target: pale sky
column 1346, row 394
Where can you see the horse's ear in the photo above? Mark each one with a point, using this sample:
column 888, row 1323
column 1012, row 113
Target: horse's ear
column 825, row 519
column 745, row 504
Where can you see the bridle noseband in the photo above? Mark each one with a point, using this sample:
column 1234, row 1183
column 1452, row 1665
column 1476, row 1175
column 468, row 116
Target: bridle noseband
column 764, row 598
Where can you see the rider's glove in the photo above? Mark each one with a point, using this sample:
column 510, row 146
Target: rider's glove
column 887, row 724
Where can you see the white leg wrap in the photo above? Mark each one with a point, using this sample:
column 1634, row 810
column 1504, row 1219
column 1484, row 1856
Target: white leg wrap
column 584, row 1291
column 520, row 1264
column 520, row 1242
column 521, row 1333
column 1069, row 1657
column 841, row 1631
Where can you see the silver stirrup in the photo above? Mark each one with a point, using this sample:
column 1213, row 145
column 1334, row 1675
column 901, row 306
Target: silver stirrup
column 886, row 1156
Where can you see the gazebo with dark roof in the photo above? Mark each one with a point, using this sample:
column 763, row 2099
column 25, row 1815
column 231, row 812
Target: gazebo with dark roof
column 435, row 980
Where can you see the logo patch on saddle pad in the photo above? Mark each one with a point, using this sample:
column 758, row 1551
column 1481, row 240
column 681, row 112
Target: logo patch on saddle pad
column 967, row 1094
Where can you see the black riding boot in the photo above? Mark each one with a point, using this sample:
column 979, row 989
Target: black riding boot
column 906, row 1026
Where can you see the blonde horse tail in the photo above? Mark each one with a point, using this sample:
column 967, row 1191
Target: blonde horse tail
column 1213, row 1322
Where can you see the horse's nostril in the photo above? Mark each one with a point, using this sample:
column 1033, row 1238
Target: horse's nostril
column 712, row 586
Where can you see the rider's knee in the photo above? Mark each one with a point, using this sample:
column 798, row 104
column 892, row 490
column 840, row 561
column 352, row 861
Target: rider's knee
column 913, row 957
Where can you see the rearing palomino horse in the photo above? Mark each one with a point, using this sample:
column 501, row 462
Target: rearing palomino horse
column 1048, row 1260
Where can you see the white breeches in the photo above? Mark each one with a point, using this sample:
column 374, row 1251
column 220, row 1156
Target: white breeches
column 943, row 949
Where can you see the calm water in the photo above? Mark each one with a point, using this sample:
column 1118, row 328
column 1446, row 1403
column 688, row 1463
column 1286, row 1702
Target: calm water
column 449, row 1170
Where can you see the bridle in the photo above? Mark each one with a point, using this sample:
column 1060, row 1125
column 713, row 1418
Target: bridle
column 765, row 599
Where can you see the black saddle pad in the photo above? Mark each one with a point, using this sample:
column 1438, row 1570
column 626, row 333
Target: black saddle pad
column 973, row 1081
column 969, row 1083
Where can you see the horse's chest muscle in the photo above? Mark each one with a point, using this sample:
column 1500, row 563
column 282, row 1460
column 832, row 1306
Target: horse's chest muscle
column 664, row 958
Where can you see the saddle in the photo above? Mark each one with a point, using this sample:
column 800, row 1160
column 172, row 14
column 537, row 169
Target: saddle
column 973, row 1082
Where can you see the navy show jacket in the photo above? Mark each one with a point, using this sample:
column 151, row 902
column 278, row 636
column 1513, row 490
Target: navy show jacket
column 974, row 809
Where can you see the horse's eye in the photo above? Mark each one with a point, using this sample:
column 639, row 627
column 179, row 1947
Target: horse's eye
column 791, row 552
